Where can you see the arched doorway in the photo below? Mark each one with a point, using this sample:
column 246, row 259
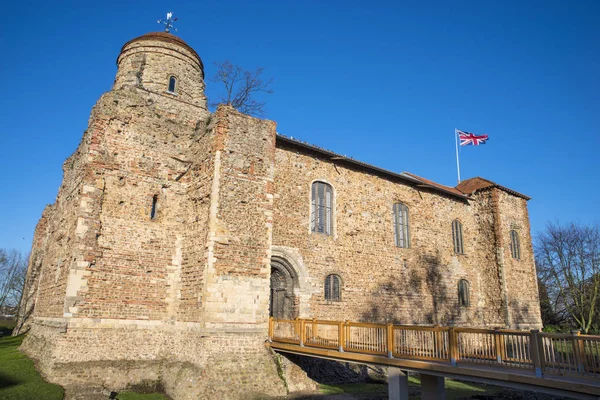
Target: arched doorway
column 283, row 281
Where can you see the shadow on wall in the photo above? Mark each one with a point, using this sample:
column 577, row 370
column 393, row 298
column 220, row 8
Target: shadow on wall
column 415, row 297
column 336, row 372
column 520, row 313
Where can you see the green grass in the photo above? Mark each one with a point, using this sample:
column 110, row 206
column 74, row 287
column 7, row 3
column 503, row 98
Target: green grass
column 454, row 389
column 353, row 388
column 18, row 378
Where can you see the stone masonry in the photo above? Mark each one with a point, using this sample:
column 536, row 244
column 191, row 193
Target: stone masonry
column 154, row 263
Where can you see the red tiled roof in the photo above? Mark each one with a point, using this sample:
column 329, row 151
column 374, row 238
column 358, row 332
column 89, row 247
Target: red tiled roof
column 473, row 185
column 437, row 185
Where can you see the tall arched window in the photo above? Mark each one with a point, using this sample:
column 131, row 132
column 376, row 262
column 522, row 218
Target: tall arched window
column 333, row 288
column 172, row 84
column 401, row 225
column 463, row 293
column 515, row 245
column 457, row 237
column 321, row 208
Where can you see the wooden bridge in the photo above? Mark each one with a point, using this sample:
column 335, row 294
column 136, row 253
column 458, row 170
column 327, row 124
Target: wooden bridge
column 559, row 364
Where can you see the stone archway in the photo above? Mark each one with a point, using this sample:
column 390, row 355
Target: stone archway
column 283, row 301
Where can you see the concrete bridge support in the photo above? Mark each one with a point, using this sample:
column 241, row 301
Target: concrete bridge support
column 432, row 387
column 397, row 384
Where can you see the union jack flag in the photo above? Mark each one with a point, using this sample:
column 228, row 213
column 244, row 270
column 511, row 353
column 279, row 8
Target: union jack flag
column 467, row 138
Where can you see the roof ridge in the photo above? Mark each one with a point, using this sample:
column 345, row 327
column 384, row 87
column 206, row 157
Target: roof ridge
column 407, row 176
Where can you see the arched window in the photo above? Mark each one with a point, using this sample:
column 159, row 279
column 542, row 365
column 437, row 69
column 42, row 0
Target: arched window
column 457, row 237
column 463, row 293
column 172, row 84
column 333, row 288
column 515, row 245
column 321, row 208
column 401, row 233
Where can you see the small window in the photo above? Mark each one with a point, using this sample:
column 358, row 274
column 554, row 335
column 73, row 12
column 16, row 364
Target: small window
column 172, row 84
column 153, row 210
column 332, row 288
column 457, row 237
column 463, row 293
column 515, row 245
column 321, row 213
column 401, row 233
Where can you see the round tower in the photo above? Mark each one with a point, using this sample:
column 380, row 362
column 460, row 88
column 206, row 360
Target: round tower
column 164, row 64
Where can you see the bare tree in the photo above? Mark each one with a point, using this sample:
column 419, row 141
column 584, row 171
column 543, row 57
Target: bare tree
column 240, row 88
column 568, row 261
column 13, row 271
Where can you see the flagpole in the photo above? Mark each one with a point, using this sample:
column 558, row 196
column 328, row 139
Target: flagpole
column 457, row 161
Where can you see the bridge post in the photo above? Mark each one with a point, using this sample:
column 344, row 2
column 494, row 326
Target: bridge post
column 437, row 340
column 432, row 387
column 341, row 338
column 499, row 344
column 397, row 384
column 537, row 355
column 302, row 332
column 390, row 340
column 579, row 351
column 452, row 346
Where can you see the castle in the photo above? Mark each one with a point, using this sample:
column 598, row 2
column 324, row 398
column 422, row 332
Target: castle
column 177, row 232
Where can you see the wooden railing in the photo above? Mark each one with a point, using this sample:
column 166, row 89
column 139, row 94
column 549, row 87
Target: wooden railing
column 544, row 353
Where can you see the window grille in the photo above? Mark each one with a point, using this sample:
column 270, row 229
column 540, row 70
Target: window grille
column 172, row 84
column 401, row 233
column 321, row 220
column 515, row 245
column 332, row 288
column 463, row 293
column 457, row 237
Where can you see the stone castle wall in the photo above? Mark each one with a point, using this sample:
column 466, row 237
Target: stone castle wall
column 382, row 282
column 236, row 289
column 179, row 296
column 149, row 63
column 521, row 279
column 188, row 363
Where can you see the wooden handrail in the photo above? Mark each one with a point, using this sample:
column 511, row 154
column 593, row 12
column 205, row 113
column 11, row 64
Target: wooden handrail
column 421, row 328
column 563, row 353
column 483, row 330
column 593, row 338
column 366, row 324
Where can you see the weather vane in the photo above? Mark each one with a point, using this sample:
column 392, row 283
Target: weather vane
column 168, row 23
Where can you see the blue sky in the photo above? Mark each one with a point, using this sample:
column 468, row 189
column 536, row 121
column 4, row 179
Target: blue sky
column 383, row 82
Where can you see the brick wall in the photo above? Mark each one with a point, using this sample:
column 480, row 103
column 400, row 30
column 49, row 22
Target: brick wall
column 382, row 282
column 147, row 63
column 521, row 283
column 236, row 290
